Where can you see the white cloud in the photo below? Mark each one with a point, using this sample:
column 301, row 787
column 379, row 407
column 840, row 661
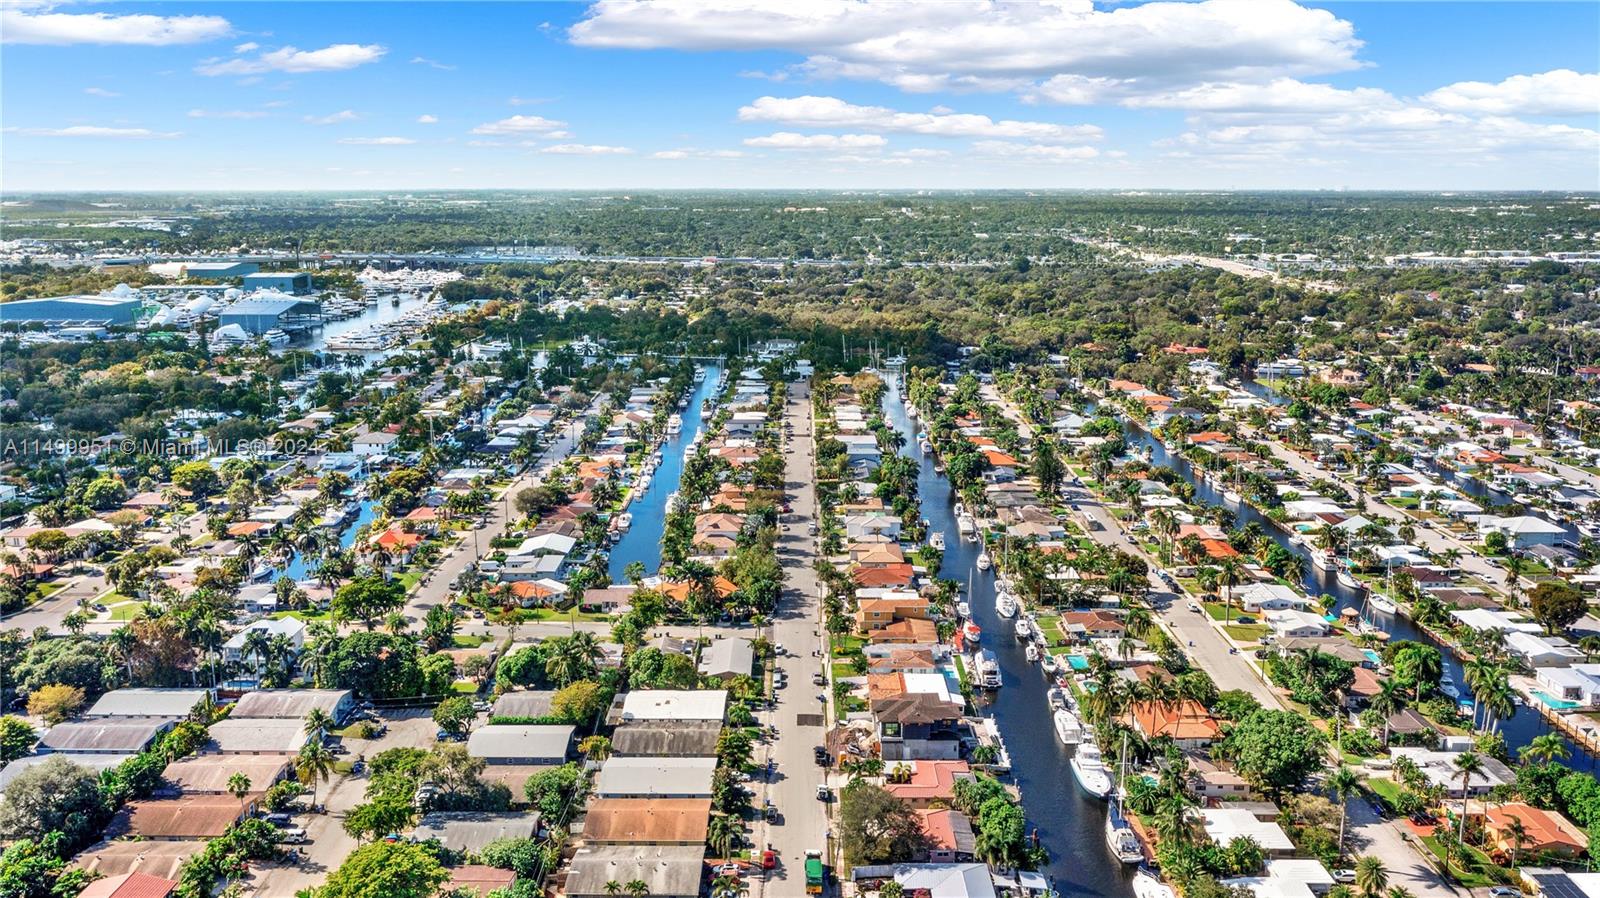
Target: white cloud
column 694, row 153
column 246, row 47
column 336, row 57
column 1034, row 151
column 227, row 113
column 1557, row 92
column 528, row 101
column 20, row 26
column 332, row 118
column 995, row 45
column 432, row 63
column 377, row 141
column 275, row 104
column 100, row 92
column 1277, row 95
column 427, row 119
column 832, row 112
column 520, row 124
column 789, row 140
column 99, row 132
column 581, row 149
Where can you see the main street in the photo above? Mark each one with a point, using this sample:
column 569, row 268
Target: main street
column 800, row 718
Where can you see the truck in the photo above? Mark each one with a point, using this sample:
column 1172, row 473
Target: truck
column 813, row 872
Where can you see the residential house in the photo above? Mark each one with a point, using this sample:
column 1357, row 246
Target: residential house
column 647, row 821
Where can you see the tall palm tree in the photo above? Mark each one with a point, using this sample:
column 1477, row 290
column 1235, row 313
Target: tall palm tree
column 1468, row 764
column 723, row 834
column 312, row 765
column 1343, row 782
column 1371, row 879
column 239, row 787
column 1515, row 832
column 318, row 723
column 1230, row 573
column 1544, row 748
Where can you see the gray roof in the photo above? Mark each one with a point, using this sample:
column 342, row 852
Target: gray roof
column 671, row 871
column 675, row 704
column 727, row 657
column 147, row 703
column 266, row 306
column 110, row 735
column 96, row 763
column 940, row 880
column 667, row 739
column 287, row 703
column 258, row 736
column 647, row 777
column 521, row 741
column 534, row 703
column 471, row 830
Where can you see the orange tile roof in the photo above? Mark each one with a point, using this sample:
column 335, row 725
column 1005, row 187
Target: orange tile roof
column 1545, row 830
column 129, row 885
column 999, row 459
column 1187, row 719
column 1216, row 548
column 679, row 591
column 883, row 575
column 1209, row 436
column 929, row 780
column 911, row 629
column 1124, row 386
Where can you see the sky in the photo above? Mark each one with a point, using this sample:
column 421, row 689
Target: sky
column 857, row 94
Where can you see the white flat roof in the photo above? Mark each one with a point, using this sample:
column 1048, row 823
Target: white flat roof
column 675, row 704
column 643, row 777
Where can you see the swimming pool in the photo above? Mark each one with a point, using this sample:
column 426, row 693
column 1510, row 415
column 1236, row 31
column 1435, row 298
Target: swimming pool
column 1553, row 703
column 1078, row 662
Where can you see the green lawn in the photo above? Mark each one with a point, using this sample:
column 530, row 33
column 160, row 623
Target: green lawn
column 1247, row 632
column 559, row 615
column 846, row 645
column 465, row 687
column 844, row 669
column 305, row 614
column 464, row 641
column 1474, row 872
column 126, row 611
column 1388, row 791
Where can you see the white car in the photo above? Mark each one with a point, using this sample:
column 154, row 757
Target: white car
column 1345, row 876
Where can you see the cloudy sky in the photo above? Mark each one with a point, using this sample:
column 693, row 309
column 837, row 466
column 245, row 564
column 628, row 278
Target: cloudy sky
column 1232, row 94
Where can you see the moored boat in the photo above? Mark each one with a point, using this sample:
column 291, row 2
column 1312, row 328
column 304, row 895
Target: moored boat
column 1068, row 728
column 1090, row 771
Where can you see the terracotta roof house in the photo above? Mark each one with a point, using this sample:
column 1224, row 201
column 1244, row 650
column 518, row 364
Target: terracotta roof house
column 949, row 836
column 1094, row 624
column 478, row 879
column 1187, row 722
column 883, row 575
column 911, row 631
column 1543, row 831
column 194, row 817
column 647, row 821
column 129, row 885
column 904, row 661
column 926, row 781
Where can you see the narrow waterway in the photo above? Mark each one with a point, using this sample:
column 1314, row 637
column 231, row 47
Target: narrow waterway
column 1070, row 824
column 1519, row 730
column 642, row 542
column 300, row 566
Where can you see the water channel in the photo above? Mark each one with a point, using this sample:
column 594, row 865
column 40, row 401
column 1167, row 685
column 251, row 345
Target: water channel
column 642, row 542
column 1070, row 824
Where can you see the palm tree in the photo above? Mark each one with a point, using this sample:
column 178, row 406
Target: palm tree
column 1399, row 892
column 1371, row 879
column 723, row 834
column 1468, row 764
column 613, row 888
column 637, row 888
column 1515, row 832
column 318, row 723
column 1343, row 782
column 1544, row 748
column 312, row 765
column 239, row 787
column 1230, row 573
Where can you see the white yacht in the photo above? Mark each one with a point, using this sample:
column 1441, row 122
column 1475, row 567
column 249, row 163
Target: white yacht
column 937, row 540
column 1068, row 728
column 675, row 425
column 1090, row 771
column 967, row 526
column 1031, row 653
column 276, row 337
column 984, row 561
column 1147, row 885
column 1122, row 840
column 1348, row 580
column 1024, row 629
column 925, row 447
column 1005, row 605
column 987, row 669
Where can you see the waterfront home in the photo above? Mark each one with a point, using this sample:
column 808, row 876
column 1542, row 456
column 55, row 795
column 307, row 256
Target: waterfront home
column 948, row 837
column 921, row 783
column 910, row 631
column 1579, row 684
column 1292, row 623
column 885, row 606
column 1260, row 597
column 1213, row 781
column 1543, row 832
column 1082, row 625
column 1485, row 619
column 1187, row 723
column 290, row 628
column 1440, row 770
column 1542, row 651
column 918, row 725
column 935, row 880
column 1224, row 825
column 1287, row 878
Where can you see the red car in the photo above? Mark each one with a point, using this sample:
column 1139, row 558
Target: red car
column 769, row 859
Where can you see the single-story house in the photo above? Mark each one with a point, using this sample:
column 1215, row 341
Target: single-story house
column 647, row 821
column 469, row 831
column 146, row 702
column 644, row 777
column 668, row 871
column 522, row 744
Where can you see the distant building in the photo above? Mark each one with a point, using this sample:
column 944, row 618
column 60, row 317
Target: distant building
column 292, row 282
column 61, row 310
column 204, row 271
column 257, row 316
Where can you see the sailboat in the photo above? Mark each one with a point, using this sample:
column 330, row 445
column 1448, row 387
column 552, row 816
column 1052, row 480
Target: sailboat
column 1120, row 837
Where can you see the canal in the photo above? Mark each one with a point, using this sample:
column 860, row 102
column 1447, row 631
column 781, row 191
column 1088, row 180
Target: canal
column 1070, row 824
column 1518, row 731
column 642, row 542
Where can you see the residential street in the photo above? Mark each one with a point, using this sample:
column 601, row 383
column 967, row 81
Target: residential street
column 799, row 716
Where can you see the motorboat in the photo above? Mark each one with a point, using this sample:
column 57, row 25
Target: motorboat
column 1382, row 604
column 1146, row 885
column 1024, row 629
column 925, row 446
column 624, row 521
column 1058, row 698
column 1122, row 840
column 1089, row 769
column 1049, row 663
column 967, row 526
column 971, row 632
column 276, row 337
column 1005, row 605
column 675, row 425
column 1068, row 728
column 937, row 540
column 963, row 609
column 986, row 668
column 984, row 561
column 1450, row 689
column 1031, row 653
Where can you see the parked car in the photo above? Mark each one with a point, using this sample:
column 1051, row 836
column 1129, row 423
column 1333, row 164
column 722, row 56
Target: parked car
column 1345, row 876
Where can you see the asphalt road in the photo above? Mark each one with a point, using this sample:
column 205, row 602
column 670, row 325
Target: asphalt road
column 803, row 820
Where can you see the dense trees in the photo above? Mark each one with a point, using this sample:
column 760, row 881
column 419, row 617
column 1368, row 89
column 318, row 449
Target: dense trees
column 55, row 796
column 1274, row 750
column 386, row 870
column 875, row 827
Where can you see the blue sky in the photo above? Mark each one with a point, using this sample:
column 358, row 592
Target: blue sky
column 832, row 93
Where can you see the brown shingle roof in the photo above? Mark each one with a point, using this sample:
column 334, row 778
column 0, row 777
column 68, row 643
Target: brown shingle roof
column 680, row 820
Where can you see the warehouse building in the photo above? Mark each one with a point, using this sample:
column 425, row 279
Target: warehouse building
column 204, row 271
column 295, row 283
column 285, row 313
column 72, row 310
